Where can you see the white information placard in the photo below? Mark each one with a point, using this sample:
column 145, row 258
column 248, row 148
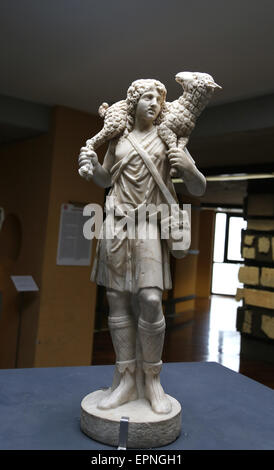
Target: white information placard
column 24, row 283
column 73, row 248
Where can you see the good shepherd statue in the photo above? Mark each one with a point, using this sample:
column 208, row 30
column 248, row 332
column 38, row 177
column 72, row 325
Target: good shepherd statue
column 147, row 147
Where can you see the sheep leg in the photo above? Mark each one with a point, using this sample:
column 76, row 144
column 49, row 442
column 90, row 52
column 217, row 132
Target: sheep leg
column 98, row 140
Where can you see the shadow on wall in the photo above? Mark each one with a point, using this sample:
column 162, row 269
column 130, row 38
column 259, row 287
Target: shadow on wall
column 10, row 238
column 10, row 246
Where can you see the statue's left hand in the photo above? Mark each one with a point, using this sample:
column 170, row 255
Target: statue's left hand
column 179, row 160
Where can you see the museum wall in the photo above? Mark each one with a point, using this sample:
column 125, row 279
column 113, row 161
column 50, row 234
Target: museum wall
column 186, row 268
column 37, row 176
column 24, row 191
column 192, row 274
column 67, row 305
column 205, row 257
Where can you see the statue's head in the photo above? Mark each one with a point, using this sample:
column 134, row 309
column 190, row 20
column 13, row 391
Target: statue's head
column 136, row 90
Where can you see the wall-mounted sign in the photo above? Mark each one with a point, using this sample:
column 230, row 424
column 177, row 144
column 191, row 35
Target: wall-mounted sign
column 24, row 283
column 73, row 248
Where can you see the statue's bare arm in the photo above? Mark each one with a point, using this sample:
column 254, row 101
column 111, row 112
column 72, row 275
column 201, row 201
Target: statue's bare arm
column 99, row 174
column 185, row 165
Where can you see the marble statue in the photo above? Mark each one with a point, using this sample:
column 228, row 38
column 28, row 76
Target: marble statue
column 136, row 271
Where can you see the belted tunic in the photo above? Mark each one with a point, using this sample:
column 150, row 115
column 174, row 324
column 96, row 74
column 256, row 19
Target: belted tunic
column 128, row 261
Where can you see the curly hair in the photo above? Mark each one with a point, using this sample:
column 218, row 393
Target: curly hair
column 134, row 93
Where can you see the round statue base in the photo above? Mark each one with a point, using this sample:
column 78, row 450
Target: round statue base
column 146, row 429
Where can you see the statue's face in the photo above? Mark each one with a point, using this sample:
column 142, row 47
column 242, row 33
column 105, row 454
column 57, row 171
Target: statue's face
column 149, row 105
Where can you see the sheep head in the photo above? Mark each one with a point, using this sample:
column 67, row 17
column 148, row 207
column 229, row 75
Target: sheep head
column 191, row 80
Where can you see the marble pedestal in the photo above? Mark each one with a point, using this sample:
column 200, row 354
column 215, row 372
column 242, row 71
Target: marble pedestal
column 146, row 428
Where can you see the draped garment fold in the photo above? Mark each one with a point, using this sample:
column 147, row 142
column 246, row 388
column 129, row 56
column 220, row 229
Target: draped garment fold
column 132, row 264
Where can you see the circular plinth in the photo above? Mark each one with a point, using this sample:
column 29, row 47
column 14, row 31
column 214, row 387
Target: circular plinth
column 146, row 428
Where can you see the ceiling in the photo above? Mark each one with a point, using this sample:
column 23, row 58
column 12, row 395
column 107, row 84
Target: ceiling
column 79, row 53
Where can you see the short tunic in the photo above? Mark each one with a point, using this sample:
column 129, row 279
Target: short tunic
column 132, row 264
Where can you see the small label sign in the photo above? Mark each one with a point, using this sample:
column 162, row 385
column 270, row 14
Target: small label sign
column 24, row 284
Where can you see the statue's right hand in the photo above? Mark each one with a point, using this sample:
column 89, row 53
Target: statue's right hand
column 88, row 161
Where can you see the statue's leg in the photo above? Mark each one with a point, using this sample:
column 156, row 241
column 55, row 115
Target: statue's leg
column 168, row 136
column 98, row 140
column 182, row 142
column 140, row 376
column 123, row 334
column 151, row 330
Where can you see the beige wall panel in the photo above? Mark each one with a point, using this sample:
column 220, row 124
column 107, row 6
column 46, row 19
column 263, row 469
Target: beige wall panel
column 65, row 333
column 205, row 257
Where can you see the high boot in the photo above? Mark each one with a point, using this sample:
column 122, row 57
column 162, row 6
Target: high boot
column 152, row 339
column 123, row 334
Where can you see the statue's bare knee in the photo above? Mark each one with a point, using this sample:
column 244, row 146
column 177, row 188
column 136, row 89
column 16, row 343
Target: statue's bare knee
column 150, row 300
